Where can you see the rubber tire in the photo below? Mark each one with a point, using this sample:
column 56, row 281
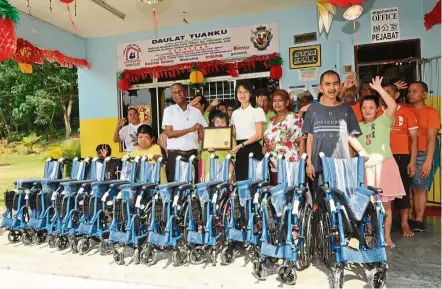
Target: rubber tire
column 199, row 251
column 338, row 278
column 227, row 255
column 289, row 280
column 83, row 246
column 377, row 278
column 148, row 256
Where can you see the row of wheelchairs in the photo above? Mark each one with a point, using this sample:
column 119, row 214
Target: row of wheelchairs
column 120, row 207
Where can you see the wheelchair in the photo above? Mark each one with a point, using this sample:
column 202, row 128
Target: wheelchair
column 350, row 211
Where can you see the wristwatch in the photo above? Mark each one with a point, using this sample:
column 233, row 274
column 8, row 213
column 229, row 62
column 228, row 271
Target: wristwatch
column 243, row 144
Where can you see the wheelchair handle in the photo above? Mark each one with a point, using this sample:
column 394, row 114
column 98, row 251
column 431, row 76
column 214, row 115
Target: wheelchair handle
column 186, row 187
column 222, row 186
column 146, row 186
column 375, row 190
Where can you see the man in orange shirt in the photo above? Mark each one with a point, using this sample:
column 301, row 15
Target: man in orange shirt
column 429, row 124
column 403, row 143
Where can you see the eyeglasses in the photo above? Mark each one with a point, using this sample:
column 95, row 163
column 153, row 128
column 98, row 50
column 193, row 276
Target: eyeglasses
column 178, row 92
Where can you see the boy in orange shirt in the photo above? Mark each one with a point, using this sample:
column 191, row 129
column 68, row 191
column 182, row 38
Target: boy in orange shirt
column 403, row 143
column 429, row 124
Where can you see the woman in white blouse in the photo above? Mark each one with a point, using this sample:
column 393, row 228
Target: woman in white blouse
column 248, row 120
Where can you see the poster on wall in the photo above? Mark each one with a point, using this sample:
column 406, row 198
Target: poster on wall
column 144, row 112
column 308, row 74
column 305, row 56
column 218, row 44
column 385, row 25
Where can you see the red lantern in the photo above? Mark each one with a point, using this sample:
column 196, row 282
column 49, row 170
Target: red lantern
column 8, row 38
column 66, row 1
column 345, row 3
column 123, row 83
column 276, row 68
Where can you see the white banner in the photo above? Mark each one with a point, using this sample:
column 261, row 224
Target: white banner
column 221, row 44
column 385, row 25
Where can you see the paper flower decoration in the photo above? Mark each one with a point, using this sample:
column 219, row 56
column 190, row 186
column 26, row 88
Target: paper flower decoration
column 325, row 14
column 353, row 12
column 345, row 3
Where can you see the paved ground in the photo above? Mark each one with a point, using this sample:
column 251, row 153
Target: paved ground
column 43, row 267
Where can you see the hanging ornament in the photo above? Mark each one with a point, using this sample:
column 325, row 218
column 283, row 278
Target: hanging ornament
column 325, row 15
column 276, row 68
column 8, row 38
column 25, row 68
column 351, row 14
column 67, row 2
column 153, row 3
column 345, row 3
column 434, row 17
column 123, row 83
column 196, row 78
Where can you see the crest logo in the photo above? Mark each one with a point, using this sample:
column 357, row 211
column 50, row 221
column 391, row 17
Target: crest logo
column 261, row 38
column 132, row 55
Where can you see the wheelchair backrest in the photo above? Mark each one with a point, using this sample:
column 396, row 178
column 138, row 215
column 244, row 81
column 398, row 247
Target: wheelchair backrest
column 128, row 170
column 148, row 172
column 103, row 169
column 291, row 173
column 79, row 169
column 219, row 171
column 53, row 169
column 343, row 174
column 259, row 169
column 184, row 169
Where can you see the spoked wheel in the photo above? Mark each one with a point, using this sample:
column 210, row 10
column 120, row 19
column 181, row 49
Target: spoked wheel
column 83, row 246
column 306, row 239
column 259, row 271
column 179, row 257
column 287, row 278
column 40, row 237
column 62, row 243
column 197, row 255
column 26, row 238
column 338, row 278
column 118, row 256
column 148, row 256
column 51, row 241
column 327, row 253
column 377, row 277
column 227, row 255
column 73, row 243
column 105, row 247
column 14, row 236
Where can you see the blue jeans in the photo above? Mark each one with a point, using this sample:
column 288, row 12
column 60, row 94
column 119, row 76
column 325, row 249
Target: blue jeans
column 417, row 182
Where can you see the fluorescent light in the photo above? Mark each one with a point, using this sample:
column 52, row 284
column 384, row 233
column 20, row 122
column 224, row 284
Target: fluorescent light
column 109, row 8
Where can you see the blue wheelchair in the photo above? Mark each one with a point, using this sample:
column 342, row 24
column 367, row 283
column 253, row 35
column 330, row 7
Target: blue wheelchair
column 166, row 221
column 242, row 215
column 131, row 210
column 97, row 208
column 203, row 217
column 22, row 205
column 350, row 211
column 37, row 227
column 286, row 224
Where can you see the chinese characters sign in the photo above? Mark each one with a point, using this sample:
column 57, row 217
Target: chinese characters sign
column 218, row 44
column 385, row 25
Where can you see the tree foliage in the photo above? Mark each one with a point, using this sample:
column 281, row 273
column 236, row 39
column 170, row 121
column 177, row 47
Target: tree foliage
column 42, row 102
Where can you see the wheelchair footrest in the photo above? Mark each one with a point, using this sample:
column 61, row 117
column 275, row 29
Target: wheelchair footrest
column 157, row 239
column 281, row 251
column 367, row 256
column 8, row 223
column 37, row 223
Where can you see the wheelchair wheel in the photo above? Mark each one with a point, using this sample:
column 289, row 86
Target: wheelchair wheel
column 377, row 277
column 105, row 247
column 227, row 255
column 213, row 256
column 51, row 241
column 338, row 278
column 73, row 245
column 226, row 220
column 40, row 237
column 14, row 236
column 179, row 257
column 83, row 246
column 307, row 239
column 148, row 256
column 118, row 257
column 288, row 279
column 62, row 243
column 136, row 256
column 26, row 238
column 326, row 245
column 197, row 255
column 259, row 271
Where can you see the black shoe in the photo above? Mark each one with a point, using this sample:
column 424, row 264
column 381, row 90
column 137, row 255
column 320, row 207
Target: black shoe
column 412, row 224
column 419, row 227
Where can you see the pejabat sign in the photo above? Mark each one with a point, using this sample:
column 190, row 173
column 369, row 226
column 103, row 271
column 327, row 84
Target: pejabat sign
column 385, row 25
column 220, row 44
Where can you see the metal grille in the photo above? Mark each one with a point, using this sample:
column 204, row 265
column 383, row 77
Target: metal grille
column 223, row 90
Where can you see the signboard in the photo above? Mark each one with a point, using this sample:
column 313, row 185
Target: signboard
column 385, row 25
column 218, row 44
column 308, row 74
column 305, row 56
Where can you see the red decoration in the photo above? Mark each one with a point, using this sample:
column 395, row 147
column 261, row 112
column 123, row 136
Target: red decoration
column 276, row 68
column 205, row 67
column 66, row 1
column 434, row 17
column 124, row 84
column 345, row 3
column 8, row 38
column 28, row 53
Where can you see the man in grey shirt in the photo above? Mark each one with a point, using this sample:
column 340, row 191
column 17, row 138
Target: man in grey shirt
column 330, row 127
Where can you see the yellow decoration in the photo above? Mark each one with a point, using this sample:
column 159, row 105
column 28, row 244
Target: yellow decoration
column 196, row 77
column 25, row 68
column 325, row 14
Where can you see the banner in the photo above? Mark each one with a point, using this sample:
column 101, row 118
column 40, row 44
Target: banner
column 385, row 25
column 221, row 44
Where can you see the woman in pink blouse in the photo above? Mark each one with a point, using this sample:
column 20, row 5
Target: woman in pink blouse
column 283, row 134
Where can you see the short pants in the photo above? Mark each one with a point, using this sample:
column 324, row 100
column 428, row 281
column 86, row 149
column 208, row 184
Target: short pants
column 417, row 182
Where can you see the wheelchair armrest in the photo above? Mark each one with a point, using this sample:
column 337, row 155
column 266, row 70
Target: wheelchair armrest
column 147, row 186
column 375, row 190
column 222, row 186
column 266, row 189
column 302, row 190
column 324, row 189
column 84, row 182
column 117, row 184
column 186, row 187
column 263, row 184
column 255, row 183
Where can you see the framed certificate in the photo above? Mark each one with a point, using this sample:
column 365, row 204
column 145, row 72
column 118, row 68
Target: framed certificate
column 217, row 138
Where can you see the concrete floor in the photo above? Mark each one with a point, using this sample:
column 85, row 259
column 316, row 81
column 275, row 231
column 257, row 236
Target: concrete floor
column 414, row 263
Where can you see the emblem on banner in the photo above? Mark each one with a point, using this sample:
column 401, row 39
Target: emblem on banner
column 132, row 55
column 261, row 38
